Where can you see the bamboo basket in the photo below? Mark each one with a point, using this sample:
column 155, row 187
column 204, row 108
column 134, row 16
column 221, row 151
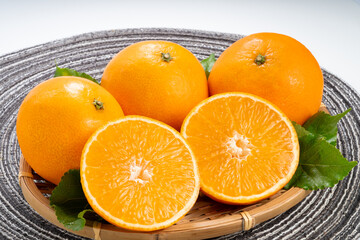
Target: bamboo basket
column 206, row 219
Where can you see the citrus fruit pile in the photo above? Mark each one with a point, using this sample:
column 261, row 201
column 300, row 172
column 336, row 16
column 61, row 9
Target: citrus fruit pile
column 149, row 137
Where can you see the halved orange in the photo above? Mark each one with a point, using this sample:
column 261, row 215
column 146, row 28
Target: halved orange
column 139, row 174
column 245, row 147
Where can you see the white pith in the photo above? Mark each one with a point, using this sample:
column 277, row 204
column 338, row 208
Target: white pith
column 140, row 171
column 238, row 146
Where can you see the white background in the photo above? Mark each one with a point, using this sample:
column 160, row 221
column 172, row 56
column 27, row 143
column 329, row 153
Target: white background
column 329, row 28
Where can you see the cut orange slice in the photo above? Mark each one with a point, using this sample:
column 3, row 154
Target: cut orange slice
column 246, row 148
column 139, row 174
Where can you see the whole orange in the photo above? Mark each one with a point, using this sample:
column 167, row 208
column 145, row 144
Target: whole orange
column 156, row 79
column 275, row 67
column 56, row 119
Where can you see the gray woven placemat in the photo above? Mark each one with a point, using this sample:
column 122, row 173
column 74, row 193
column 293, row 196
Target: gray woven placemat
column 331, row 213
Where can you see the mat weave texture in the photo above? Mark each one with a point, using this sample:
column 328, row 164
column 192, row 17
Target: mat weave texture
column 327, row 214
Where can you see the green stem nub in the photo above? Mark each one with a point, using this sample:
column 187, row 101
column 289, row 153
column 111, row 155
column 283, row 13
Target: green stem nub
column 166, row 57
column 260, row 59
column 98, row 105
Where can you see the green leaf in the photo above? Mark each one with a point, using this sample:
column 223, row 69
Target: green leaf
column 208, row 63
column 325, row 125
column 69, row 201
column 71, row 72
column 300, row 131
column 321, row 164
column 294, row 178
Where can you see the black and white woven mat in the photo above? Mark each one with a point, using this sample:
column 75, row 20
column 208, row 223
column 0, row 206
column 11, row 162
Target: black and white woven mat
column 327, row 214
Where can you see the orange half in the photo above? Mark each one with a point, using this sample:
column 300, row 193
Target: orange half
column 245, row 147
column 139, row 174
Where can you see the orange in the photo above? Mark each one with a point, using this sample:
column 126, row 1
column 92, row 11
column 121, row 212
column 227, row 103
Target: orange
column 157, row 79
column 275, row 67
column 55, row 120
column 245, row 147
column 139, row 174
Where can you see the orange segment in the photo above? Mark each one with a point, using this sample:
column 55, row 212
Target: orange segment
column 138, row 173
column 245, row 147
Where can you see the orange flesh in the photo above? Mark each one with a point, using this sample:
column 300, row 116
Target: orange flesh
column 243, row 148
column 139, row 175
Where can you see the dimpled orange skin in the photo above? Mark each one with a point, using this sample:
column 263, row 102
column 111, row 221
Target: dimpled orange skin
column 290, row 78
column 144, row 84
column 56, row 119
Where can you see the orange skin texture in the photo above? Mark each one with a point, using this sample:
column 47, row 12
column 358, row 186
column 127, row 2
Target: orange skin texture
column 56, row 119
column 290, row 78
column 144, row 84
